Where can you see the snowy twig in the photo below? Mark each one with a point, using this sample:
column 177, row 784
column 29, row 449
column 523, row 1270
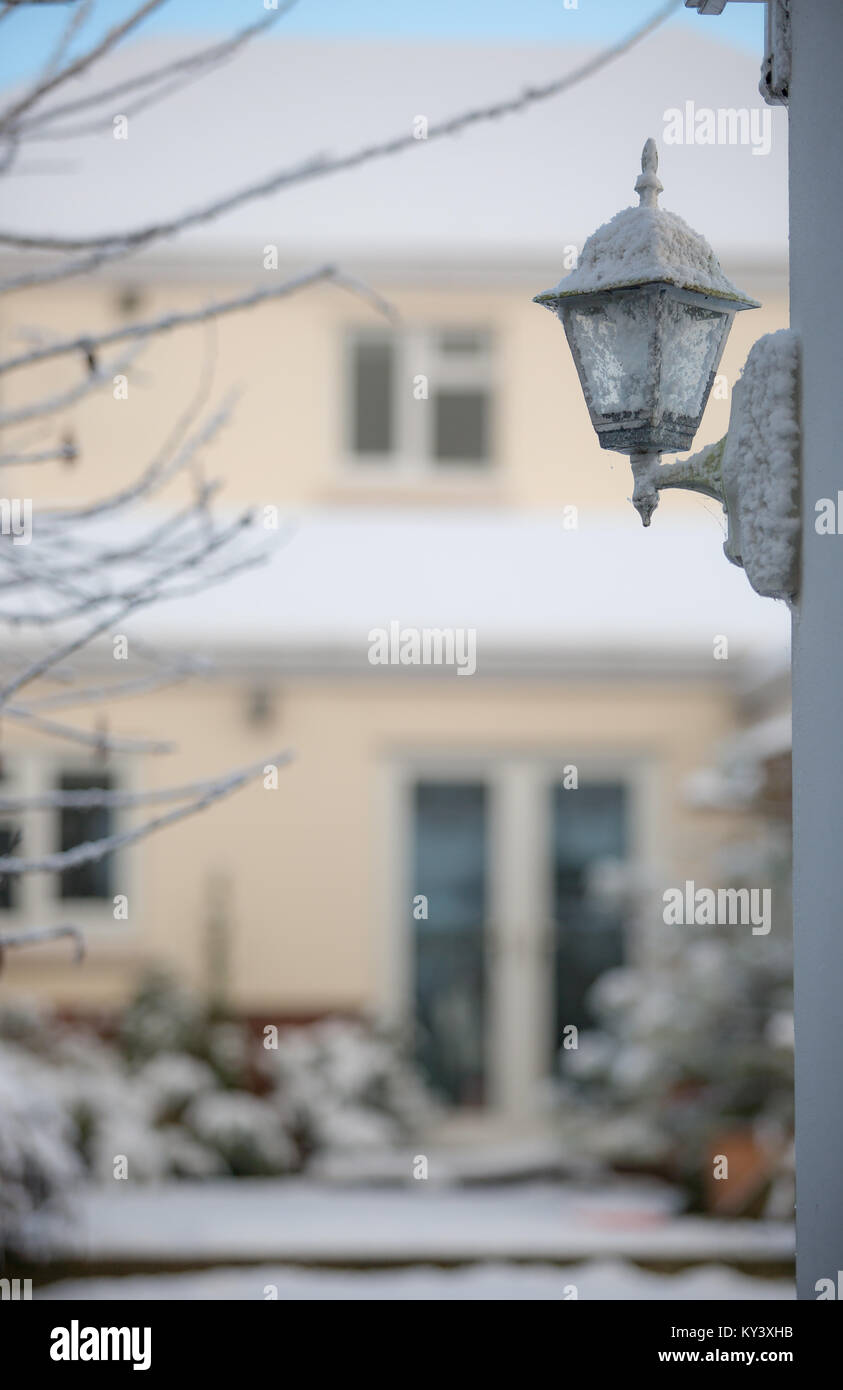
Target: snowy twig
column 100, row 742
column 79, row 65
column 322, row 166
column 162, row 470
column 93, row 850
column 65, row 453
column 117, row 690
column 95, row 798
column 76, row 19
column 36, row 936
column 51, row 405
column 90, row 562
column 147, row 593
column 89, row 343
column 204, row 59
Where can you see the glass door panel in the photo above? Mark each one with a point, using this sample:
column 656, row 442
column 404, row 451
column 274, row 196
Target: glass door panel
column 450, row 869
column 589, row 824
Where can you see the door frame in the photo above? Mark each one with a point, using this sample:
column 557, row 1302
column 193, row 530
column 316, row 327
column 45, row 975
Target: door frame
column 517, row 1059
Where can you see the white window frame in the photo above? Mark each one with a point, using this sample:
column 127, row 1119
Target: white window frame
column 33, row 773
column 417, row 353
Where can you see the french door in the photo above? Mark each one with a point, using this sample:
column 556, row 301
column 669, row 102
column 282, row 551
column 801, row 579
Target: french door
column 504, row 929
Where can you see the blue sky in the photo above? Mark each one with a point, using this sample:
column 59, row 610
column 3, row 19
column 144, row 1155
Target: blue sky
column 27, row 35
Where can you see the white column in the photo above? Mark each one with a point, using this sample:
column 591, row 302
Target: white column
column 519, row 997
column 816, row 246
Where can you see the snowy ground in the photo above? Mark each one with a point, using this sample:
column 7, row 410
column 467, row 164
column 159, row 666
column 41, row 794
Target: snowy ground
column 492, row 1282
column 299, row 1221
column 505, row 1241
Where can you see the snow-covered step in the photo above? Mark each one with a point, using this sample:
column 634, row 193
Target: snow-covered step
column 298, row 1221
column 487, row 1282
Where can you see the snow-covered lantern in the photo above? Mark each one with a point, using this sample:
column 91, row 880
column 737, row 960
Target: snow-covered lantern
column 646, row 313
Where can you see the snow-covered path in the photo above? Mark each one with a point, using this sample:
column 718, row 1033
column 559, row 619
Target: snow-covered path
column 297, row 1221
column 501, row 1283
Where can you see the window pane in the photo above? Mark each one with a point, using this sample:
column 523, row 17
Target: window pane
column 78, row 825
column 373, row 369
column 449, row 868
column 8, row 886
column 588, row 825
column 461, row 426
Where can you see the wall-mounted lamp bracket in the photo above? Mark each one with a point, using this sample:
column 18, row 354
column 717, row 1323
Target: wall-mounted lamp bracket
column 754, row 470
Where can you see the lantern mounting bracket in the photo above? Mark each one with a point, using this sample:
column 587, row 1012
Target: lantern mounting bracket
column 753, row 471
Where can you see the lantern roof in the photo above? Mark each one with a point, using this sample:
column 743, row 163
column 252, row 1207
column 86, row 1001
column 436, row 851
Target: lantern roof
column 646, row 245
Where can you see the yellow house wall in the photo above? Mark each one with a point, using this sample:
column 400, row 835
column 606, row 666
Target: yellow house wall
column 306, row 863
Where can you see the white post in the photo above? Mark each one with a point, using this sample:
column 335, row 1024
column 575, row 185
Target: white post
column 816, row 287
column 518, row 1026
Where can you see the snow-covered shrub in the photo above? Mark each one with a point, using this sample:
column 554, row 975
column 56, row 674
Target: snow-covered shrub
column 687, row 1048
column 696, row 1045
column 229, row 1050
column 247, row 1133
column 176, row 1093
column 165, row 1017
column 162, row 1017
column 186, row 1157
column 341, row 1086
column 38, row 1159
column 169, row 1082
column 25, row 1021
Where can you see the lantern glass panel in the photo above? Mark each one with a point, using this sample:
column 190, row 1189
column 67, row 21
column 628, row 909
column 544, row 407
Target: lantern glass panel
column 691, row 341
column 611, row 341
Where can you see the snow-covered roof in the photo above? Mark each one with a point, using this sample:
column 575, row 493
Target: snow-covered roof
column 526, row 584
column 515, row 190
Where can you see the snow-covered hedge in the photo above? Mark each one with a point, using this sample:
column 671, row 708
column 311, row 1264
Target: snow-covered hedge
column 38, row 1158
column 178, row 1094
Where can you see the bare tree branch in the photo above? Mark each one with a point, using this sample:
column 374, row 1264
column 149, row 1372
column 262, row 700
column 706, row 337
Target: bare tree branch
column 145, row 594
column 103, row 375
column 77, row 18
column 85, row 603
column 205, row 59
column 102, row 743
column 162, row 470
column 89, row 562
column 65, row 453
column 93, row 850
column 36, row 936
column 95, row 798
column 321, row 166
column 90, row 342
column 117, row 690
column 79, row 65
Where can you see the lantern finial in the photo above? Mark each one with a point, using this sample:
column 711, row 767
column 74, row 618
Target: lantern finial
column 648, row 186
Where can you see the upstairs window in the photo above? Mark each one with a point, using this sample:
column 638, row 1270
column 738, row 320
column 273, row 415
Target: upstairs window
column 421, row 401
